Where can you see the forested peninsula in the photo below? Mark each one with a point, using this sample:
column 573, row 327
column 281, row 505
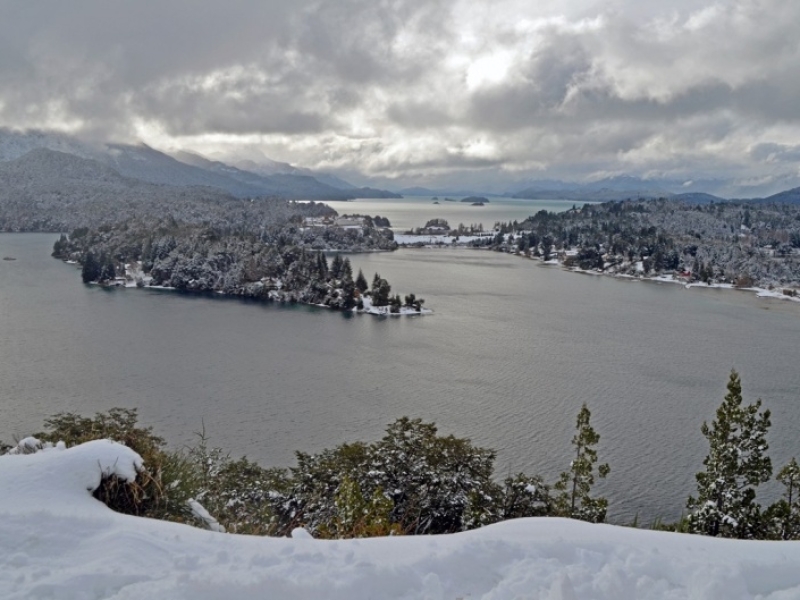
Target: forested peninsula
column 743, row 244
column 284, row 262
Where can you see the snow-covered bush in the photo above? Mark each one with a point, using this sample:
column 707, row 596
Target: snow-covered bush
column 159, row 490
column 411, row 481
column 420, row 481
column 238, row 493
column 198, row 486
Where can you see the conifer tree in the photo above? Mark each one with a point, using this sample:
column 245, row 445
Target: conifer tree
column 361, row 282
column 347, row 269
column 380, row 291
column 60, row 246
column 784, row 516
column 348, row 286
column 107, row 270
column 322, row 265
column 575, row 485
column 91, row 268
column 736, row 463
column 336, row 266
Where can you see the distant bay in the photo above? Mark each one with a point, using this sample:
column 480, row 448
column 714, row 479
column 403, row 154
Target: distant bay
column 414, row 211
column 512, row 351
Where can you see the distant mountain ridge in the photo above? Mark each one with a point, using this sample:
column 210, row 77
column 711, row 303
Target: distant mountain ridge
column 250, row 174
column 791, row 196
column 147, row 164
column 611, row 188
column 698, row 198
column 266, row 167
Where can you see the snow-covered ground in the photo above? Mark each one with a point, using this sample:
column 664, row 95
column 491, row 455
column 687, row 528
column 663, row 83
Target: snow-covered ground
column 385, row 311
column 57, row 542
column 135, row 276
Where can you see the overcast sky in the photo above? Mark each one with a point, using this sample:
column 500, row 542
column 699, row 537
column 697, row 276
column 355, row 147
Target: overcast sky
column 422, row 91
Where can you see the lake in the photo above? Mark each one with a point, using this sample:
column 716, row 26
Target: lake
column 511, row 352
column 414, row 211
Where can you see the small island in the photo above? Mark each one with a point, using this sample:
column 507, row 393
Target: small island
column 475, row 200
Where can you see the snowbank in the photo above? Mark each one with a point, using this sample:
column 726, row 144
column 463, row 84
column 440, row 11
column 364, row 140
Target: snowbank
column 60, row 481
column 57, row 542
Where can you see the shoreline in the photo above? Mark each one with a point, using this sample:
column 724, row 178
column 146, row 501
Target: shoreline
column 134, row 274
column 760, row 292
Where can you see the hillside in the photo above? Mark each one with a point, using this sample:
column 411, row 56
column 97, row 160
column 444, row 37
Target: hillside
column 697, row 198
column 46, row 190
column 733, row 243
column 789, row 196
column 186, row 169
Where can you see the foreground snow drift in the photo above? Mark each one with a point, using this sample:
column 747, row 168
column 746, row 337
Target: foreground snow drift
column 58, row 542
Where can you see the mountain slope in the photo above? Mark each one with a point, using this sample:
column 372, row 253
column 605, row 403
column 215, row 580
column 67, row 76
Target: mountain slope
column 14, row 144
column 697, row 198
column 147, row 164
column 266, row 167
column 290, row 185
column 47, row 190
column 789, row 197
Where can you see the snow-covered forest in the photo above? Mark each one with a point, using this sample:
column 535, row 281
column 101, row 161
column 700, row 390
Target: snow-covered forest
column 741, row 243
column 284, row 261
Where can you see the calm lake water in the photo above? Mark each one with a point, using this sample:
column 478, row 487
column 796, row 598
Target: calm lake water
column 414, row 211
column 509, row 356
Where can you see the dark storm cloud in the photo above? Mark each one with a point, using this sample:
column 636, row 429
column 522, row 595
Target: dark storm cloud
column 112, row 62
column 400, row 86
column 539, row 89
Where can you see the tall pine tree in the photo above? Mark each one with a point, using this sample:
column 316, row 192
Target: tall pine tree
column 336, row 267
column 361, row 282
column 736, row 463
column 91, row 268
column 575, row 485
column 348, row 286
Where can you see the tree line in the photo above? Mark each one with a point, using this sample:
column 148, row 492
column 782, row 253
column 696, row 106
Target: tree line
column 742, row 243
column 416, row 481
